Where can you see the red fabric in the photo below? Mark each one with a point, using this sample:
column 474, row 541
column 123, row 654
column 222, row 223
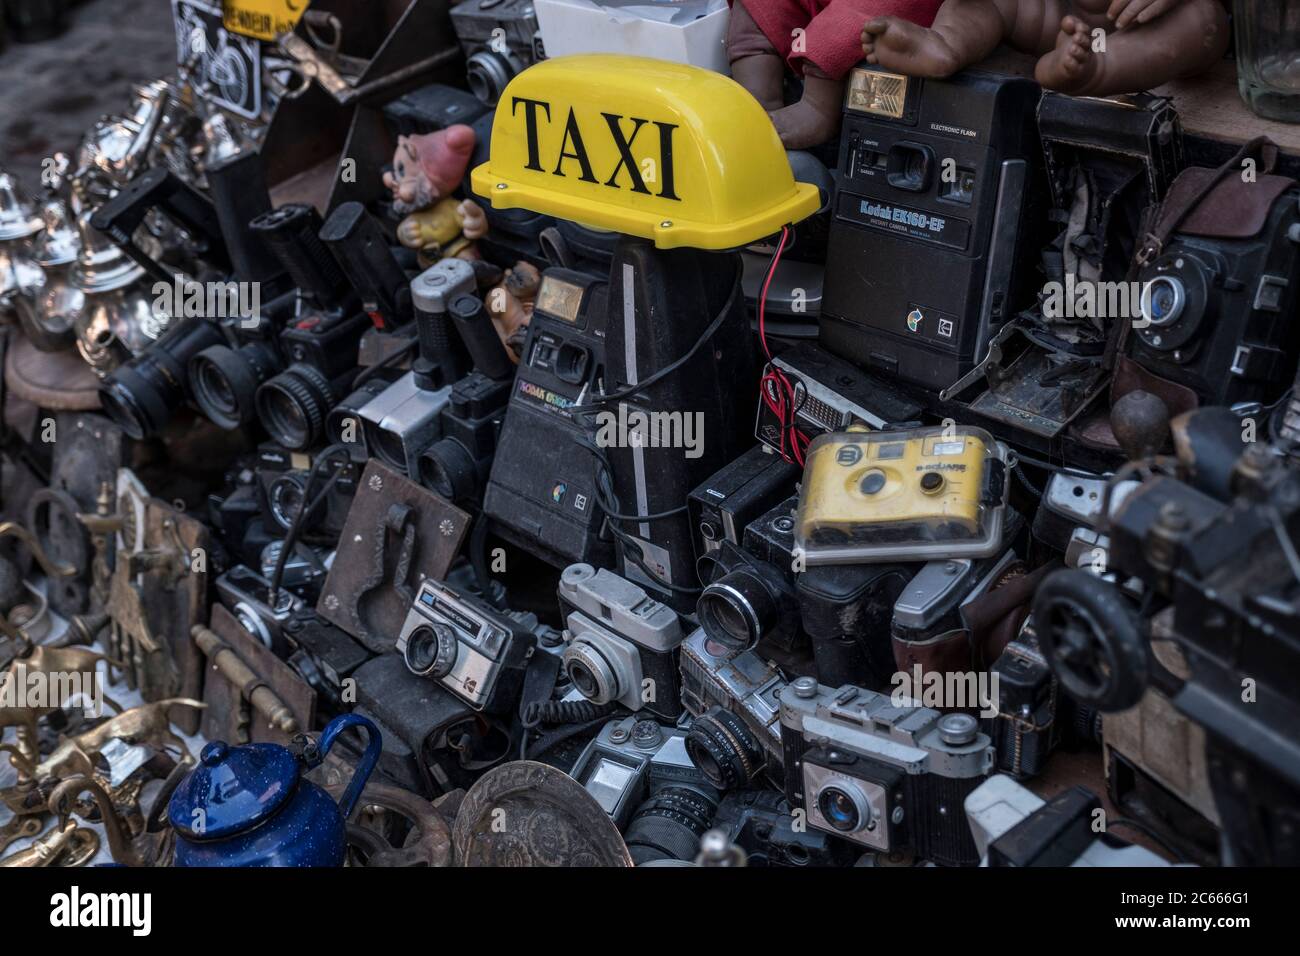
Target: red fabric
column 832, row 36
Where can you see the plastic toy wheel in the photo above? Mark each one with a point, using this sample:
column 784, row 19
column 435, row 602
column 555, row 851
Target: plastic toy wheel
column 1091, row 640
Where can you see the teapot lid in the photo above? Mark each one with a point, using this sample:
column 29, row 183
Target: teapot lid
column 232, row 789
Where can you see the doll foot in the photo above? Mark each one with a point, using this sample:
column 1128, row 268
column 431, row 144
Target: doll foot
column 898, row 44
column 815, row 118
column 1072, row 66
column 763, row 75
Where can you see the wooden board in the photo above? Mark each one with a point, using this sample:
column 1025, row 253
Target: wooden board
column 1209, row 104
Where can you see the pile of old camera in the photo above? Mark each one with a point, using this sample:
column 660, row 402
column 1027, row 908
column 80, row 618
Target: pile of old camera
column 924, row 546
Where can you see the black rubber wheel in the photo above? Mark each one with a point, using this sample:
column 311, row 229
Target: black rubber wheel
column 1092, row 640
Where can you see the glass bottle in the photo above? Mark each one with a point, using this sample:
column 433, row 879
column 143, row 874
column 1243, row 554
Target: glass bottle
column 1268, row 57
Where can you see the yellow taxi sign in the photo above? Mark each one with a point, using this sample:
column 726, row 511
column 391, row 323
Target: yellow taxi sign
column 673, row 153
column 262, row 19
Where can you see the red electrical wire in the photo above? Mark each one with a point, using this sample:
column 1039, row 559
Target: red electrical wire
column 777, row 392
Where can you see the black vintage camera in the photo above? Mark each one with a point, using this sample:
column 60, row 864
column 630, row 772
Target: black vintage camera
column 846, row 610
column 723, row 506
column 750, row 591
column 469, row 648
column 141, row 395
column 621, row 643
column 1212, row 553
column 936, row 210
column 318, row 343
column 1027, row 727
column 282, row 479
column 500, row 39
column 1218, row 301
column 324, row 656
column 541, row 492
column 761, row 823
column 457, row 465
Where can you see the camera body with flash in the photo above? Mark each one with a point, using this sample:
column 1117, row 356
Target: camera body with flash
column 622, row 643
column 475, row 652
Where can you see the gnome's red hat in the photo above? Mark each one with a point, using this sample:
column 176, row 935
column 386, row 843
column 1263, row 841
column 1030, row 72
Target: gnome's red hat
column 444, row 156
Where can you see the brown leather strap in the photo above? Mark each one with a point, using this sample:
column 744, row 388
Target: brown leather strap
column 1172, row 216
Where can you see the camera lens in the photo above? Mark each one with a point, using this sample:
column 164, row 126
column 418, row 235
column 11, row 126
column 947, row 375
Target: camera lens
column 141, row 395
column 669, row 825
column 225, row 381
column 738, row 608
column 844, row 810
column 448, row 469
column 293, row 406
column 431, row 650
column 487, row 74
column 723, row 749
column 1163, row 300
column 591, row 672
column 285, row 497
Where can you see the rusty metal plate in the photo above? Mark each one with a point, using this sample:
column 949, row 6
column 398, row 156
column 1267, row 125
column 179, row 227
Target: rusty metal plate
column 396, row 535
column 526, row 813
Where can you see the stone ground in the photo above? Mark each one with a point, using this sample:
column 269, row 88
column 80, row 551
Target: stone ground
column 52, row 92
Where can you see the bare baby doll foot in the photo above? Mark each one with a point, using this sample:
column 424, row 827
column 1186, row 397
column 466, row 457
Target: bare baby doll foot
column 1072, row 66
column 898, row 44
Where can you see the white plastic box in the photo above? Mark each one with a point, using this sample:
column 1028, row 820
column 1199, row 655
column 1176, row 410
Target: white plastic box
column 582, row 26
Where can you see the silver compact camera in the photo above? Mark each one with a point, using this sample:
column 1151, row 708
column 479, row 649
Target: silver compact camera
column 470, row 649
column 890, row 778
column 621, row 643
column 735, row 700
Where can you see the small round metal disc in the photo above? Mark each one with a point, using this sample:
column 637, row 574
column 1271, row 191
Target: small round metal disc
column 526, row 813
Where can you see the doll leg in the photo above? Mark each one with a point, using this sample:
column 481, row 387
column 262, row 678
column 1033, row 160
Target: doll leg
column 755, row 63
column 964, row 32
column 816, row 117
column 1187, row 39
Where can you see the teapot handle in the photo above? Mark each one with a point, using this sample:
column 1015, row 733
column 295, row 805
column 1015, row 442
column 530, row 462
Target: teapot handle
column 368, row 760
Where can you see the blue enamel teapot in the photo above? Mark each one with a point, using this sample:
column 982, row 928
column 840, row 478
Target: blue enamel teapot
column 250, row 806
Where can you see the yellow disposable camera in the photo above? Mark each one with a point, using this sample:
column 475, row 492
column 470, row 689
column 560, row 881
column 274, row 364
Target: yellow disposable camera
column 914, row 495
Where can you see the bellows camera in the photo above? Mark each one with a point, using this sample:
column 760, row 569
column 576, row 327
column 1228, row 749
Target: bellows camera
column 889, row 778
column 622, row 644
column 933, row 221
column 471, row 650
column 1218, row 304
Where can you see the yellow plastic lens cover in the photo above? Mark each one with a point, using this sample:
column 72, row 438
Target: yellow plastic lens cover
column 676, row 154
